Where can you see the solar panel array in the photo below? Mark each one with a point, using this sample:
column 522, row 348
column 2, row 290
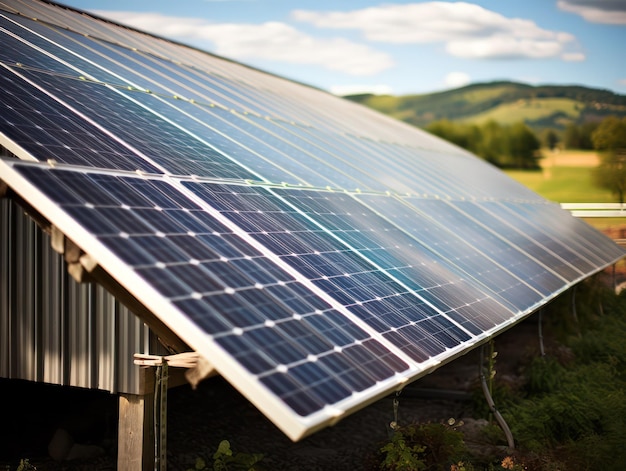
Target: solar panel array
column 318, row 254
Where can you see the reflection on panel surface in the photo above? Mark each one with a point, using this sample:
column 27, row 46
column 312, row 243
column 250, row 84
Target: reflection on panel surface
column 319, row 254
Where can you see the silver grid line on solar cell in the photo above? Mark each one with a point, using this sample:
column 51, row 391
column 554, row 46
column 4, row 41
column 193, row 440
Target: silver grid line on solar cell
column 227, row 202
column 509, row 228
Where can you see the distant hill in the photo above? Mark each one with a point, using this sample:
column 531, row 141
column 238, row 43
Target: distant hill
column 544, row 106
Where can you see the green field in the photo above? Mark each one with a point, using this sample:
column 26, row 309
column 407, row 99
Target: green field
column 529, row 111
column 563, row 184
column 567, row 184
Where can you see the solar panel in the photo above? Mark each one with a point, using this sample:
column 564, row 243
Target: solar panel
column 320, row 255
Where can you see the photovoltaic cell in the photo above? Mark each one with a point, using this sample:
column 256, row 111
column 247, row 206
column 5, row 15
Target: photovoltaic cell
column 267, row 325
column 520, row 239
column 44, row 128
column 173, row 149
column 344, row 254
column 547, row 231
column 320, row 255
column 476, row 249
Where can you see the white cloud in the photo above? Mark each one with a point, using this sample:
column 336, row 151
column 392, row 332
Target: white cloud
column 504, row 47
column 467, row 29
column 597, row 11
column 271, row 40
column 573, row 57
column 359, row 89
column 457, row 79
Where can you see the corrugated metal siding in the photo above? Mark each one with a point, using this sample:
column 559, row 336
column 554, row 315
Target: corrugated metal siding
column 55, row 330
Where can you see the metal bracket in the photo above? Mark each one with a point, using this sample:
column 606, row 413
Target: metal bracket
column 160, row 416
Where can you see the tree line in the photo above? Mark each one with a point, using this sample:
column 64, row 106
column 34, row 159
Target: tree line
column 506, row 146
column 517, row 146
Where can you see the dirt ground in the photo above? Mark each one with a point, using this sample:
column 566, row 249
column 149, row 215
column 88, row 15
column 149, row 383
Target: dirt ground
column 569, row 158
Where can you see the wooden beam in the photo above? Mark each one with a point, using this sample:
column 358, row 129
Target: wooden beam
column 78, row 272
column 72, row 251
column 135, row 449
column 203, row 369
column 187, row 367
column 57, row 240
column 81, row 269
column 179, row 360
column 88, row 262
column 176, row 378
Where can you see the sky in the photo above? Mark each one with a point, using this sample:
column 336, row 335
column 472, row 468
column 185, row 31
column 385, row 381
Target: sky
column 405, row 47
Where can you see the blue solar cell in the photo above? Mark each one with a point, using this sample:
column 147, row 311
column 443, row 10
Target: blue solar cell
column 165, row 145
column 364, row 291
column 493, row 247
column 346, row 371
column 252, row 152
column 484, row 260
column 250, row 357
column 591, row 244
column 300, row 296
column 204, row 315
column 539, row 226
column 293, row 393
column 51, row 132
column 164, row 281
column 21, row 51
column 507, row 229
column 261, row 316
column 196, row 278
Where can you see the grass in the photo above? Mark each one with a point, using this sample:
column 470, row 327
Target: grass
column 529, row 110
column 565, row 177
column 563, row 184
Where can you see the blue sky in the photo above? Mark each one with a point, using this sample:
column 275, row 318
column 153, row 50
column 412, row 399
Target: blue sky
column 354, row 46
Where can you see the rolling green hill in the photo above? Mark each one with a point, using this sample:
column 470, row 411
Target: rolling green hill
column 545, row 106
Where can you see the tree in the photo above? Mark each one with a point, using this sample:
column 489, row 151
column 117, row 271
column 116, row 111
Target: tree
column 571, row 137
column 579, row 137
column 514, row 146
column 550, row 138
column 610, row 134
column 492, row 143
column 523, row 146
column 609, row 139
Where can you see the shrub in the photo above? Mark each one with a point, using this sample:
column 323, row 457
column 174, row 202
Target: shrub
column 575, row 412
column 224, row 459
column 420, row 447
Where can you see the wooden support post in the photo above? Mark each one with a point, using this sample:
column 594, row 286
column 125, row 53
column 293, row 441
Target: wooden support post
column 135, row 433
